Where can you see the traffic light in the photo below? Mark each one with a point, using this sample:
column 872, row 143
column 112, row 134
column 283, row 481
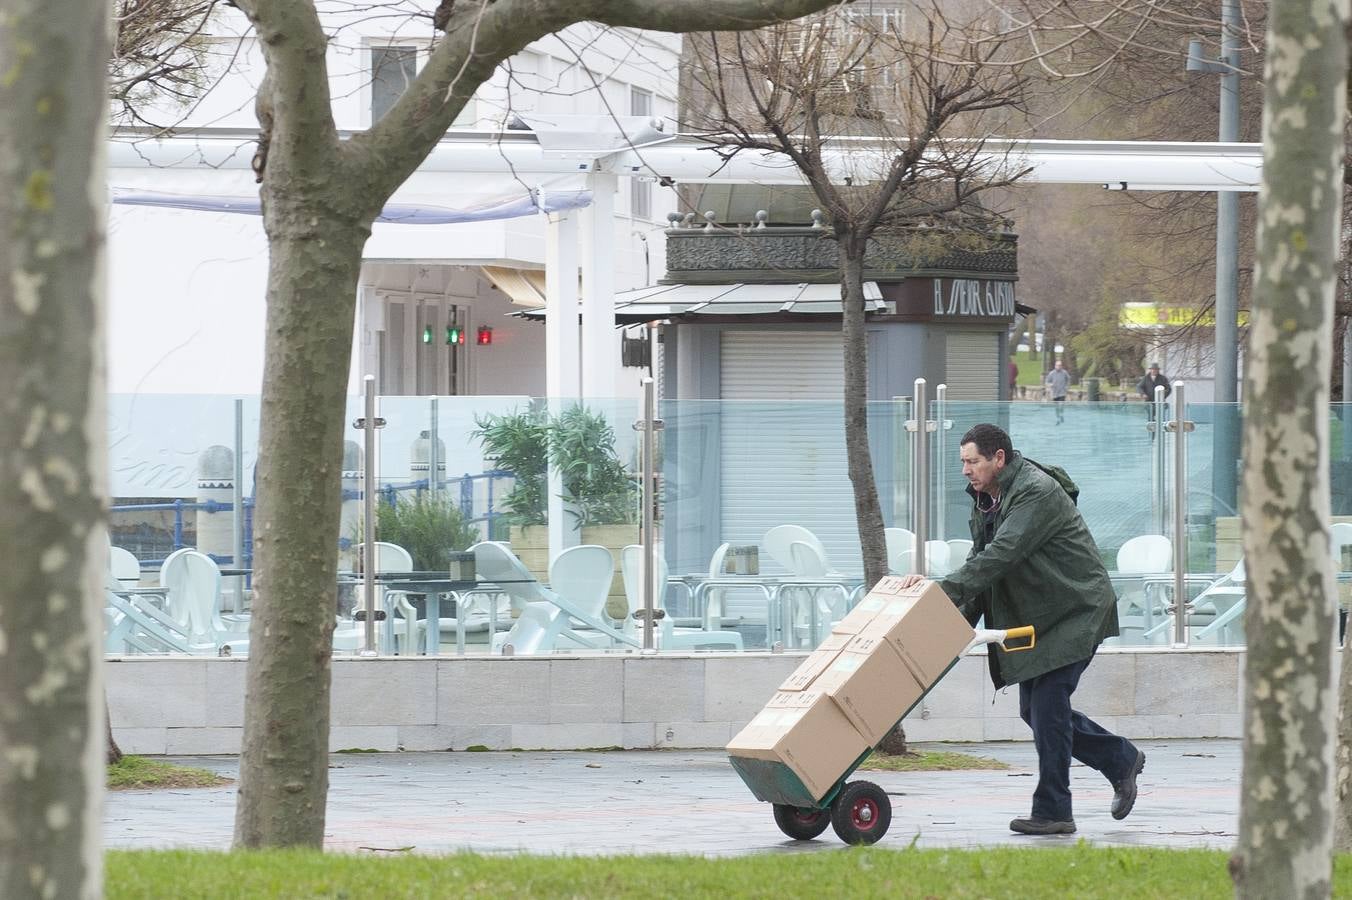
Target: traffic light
column 455, row 334
column 485, row 336
column 427, row 334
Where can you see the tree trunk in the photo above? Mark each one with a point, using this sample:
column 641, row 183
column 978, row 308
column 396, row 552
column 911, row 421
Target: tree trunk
column 1286, row 809
column 312, row 286
column 114, row 752
column 859, row 460
column 53, row 450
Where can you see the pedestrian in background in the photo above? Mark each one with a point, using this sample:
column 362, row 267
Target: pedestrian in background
column 1058, row 383
column 1146, row 386
column 1013, row 379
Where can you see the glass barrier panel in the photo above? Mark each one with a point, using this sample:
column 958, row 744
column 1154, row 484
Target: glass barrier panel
column 1211, row 517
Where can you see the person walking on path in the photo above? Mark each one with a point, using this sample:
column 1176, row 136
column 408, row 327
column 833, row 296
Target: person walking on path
column 1033, row 562
column 1146, row 387
column 1013, row 379
column 1058, row 382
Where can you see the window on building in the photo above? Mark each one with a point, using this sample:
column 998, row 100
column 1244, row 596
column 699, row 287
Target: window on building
column 392, row 69
column 641, row 191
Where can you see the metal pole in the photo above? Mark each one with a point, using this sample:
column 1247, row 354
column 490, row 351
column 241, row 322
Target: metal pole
column 920, row 466
column 1347, row 388
column 368, row 538
column 1159, row 463
column 1225, row 448
column 941, row 454
column 1179, row 426
column 649, row 470
column 237, row 544
column 433, row 462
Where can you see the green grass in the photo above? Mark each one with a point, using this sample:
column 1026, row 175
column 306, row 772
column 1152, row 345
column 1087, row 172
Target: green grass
column 930, row 761
column 139, row 773
column 1037, row 871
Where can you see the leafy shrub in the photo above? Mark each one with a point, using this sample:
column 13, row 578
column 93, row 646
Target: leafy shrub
column 429, row 528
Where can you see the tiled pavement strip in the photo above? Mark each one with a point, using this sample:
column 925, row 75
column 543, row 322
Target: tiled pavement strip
column 683, row 801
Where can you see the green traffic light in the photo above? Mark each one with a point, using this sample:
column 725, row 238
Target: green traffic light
column 452, row 334
column 427, row 334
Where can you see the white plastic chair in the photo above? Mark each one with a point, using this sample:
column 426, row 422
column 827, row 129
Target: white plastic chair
column 958, row 551
column 669, row 637
column 899, row 541
column 1145, row 554
column 193, row 584
column 1224, row 600
column 936, row 560
column 402, row 614
column 778, row 541
column 808, row 562
column 580, row 580
column 126, row 568
column 711, row 618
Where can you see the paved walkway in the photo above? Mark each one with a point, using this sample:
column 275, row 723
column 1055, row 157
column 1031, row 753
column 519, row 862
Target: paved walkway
column 684, row 802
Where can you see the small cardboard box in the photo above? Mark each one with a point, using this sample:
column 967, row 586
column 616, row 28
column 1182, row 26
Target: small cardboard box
column 805, row 731
column 871, row 684
column 815, row 663
column 924, row 628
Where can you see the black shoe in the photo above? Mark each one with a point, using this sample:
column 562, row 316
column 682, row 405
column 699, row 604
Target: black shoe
column 1124, row 791
column 1034, row 825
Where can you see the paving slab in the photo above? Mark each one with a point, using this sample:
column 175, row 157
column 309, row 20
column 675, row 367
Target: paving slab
column 686, row 802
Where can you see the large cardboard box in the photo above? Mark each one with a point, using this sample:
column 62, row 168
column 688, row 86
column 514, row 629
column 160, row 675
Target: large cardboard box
column 816, row 663
column 871, row 684
column 888, row 587
column 805, row 732
column 924, row 628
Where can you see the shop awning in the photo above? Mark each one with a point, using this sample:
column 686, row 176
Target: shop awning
column 671, row 301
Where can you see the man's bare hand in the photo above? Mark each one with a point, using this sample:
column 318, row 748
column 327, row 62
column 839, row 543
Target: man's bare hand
column 910, row 581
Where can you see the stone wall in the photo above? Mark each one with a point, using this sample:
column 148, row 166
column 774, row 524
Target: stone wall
column 196, row 706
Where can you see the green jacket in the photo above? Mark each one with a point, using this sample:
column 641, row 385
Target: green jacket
column 1041, row 569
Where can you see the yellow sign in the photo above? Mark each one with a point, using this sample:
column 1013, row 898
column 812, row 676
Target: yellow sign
column 1155, row 315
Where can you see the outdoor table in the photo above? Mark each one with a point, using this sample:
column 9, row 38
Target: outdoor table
column 432, row 586
column 778, row 618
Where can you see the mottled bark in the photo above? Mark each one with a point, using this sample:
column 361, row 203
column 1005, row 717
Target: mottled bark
column 859, row 460
column 320, row 196
column 1286, row 808
column 53, row 454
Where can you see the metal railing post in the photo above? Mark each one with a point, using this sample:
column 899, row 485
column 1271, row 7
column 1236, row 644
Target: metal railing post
column 941, row 453
column 1180, row 428
column 237, row 522
column 649, row 426
column 920, row 466
column 1158, row 462
column 368, row 423
column 433, row 462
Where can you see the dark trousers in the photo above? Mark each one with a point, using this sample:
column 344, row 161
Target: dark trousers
column 1060, row 733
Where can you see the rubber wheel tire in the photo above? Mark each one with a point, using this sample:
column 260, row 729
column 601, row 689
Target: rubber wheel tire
column 801, row 823
column 861, row 813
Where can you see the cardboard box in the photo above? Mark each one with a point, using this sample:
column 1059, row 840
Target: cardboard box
column 864, row 612
column 816, row 662
column 924, row 628
column 806, row 732
column 871, row 684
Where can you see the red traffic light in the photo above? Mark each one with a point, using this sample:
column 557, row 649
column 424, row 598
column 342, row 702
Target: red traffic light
column 485, row 336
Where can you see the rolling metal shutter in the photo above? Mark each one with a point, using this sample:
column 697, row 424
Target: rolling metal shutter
column 783, row 463
column 972, row 365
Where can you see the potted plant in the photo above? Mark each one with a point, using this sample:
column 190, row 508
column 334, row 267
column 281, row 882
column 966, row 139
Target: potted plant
column 429, row 527
column 598, row 489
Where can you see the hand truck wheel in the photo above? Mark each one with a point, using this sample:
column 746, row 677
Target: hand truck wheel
column 861, row 813
column 801, row 823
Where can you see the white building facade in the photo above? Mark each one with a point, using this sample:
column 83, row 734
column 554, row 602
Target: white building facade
column 187, row 286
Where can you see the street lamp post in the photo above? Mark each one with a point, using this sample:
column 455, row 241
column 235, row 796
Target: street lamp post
column 1225, row 444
